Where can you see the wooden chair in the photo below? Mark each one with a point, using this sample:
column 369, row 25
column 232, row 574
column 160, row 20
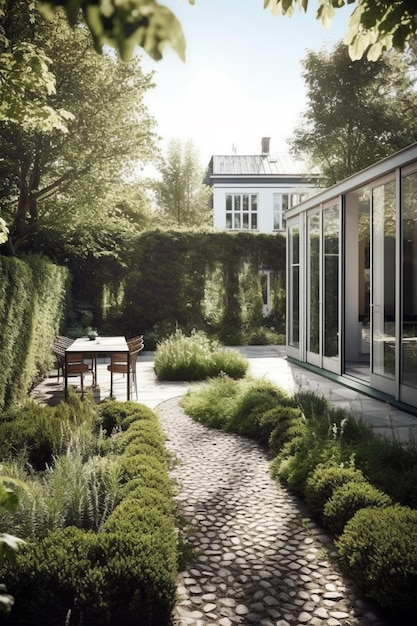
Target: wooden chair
column 58, row 347
column 77, row 367
column 122, row 363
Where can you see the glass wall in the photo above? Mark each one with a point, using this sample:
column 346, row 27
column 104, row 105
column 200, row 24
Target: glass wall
column 409, row 278
column 313, row 285
column 331, row 281
column 294, row 287
column 383, row 280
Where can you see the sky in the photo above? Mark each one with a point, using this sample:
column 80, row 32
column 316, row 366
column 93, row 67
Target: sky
column 242, row 77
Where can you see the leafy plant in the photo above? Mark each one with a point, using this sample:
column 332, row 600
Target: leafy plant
column 196, row 358
column 380, row 548
column 349, row 498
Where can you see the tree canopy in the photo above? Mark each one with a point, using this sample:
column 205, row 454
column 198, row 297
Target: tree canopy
column 358, row 112
column 69, row 179
column 181, row 196
column 373, row 27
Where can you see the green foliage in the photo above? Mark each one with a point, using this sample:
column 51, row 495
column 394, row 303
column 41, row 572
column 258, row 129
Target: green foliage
column 287, row 423
column 114, row 415
column 213, row 404
column 65, row 193
column 125, row 571
column 126, row 24
column 182, row 199
column 196, row 358
column 192, row 280
column 264, row 336
column 349, row 498
column 391, row 465
column 373, row 27
column 254, row 402
column 357, row 113
column 324, row 480
column 380, row 548
column 32, row 304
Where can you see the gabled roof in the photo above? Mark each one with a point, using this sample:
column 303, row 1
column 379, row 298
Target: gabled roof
column 256, row 165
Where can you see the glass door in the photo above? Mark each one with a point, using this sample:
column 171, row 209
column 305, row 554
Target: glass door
column 408, row 372
column 383, row 288
column 313, row 289
column 293, row 315
column 331, row 295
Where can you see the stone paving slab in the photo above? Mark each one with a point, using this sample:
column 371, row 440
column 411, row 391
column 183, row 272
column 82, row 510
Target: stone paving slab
column 258, row 558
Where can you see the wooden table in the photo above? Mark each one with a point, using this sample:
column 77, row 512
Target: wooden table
column 100, row 345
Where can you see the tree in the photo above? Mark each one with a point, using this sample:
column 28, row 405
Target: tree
column 66, row 177
column 374, row 26
column 125, row 24
column 26, row 80
column 357, row 112
column 181, row 196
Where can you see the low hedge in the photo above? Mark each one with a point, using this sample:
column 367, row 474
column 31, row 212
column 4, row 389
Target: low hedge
column 347, row 500
column 324, row 480
column 379, row 547
column 126, row 574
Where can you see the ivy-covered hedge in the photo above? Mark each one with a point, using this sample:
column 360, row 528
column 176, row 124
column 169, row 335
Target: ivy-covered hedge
column 204, row 280
column 32, row 304
column 125, row 573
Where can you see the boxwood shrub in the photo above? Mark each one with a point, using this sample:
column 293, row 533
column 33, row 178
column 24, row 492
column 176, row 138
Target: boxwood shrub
column 126, row 573
column 379, row 546
column 347, row 500
column 324, row 480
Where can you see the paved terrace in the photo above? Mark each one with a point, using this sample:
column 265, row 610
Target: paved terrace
column 267, row 362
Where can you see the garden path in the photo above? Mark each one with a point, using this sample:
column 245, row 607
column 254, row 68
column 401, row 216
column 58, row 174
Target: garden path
column 258, row 558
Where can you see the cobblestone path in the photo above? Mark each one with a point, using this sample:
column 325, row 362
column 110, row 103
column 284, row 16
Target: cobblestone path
column 258, row 557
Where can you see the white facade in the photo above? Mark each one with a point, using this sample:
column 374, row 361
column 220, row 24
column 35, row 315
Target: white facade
column 272, row 200
column 254, row 192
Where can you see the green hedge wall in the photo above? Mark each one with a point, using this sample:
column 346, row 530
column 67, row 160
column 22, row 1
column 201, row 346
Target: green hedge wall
column 32, row 303
column 174, row 276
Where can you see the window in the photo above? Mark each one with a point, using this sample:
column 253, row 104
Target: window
column 242, row 211
column 281, row 202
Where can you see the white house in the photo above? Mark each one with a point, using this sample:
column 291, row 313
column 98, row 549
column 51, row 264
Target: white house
column 253, row 192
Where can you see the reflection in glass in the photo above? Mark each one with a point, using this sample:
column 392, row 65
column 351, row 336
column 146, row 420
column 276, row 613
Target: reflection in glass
column 294, row 329
column 383, row 263
column 331, row 281
column 313, row 334
column 409, row 277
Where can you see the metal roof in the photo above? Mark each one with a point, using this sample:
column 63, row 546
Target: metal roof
column 257, row 164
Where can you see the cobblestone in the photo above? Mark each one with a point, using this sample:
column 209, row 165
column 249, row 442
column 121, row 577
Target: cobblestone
column 258, row 558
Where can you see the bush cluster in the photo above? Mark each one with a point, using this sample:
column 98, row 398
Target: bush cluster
column 319, row 451
column 122, row 569
column 196, row 357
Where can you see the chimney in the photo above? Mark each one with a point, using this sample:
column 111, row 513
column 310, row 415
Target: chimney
column 265, row 145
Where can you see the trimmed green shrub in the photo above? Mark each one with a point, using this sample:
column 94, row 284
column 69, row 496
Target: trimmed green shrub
column 287, row 423
column 110, row 578
column 380, row 548
column 347, row 500
column 254, row 401
column 324, row 480
column 32, row 306
column 116, row 414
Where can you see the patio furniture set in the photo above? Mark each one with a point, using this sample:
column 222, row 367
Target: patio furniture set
column 77, row 357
